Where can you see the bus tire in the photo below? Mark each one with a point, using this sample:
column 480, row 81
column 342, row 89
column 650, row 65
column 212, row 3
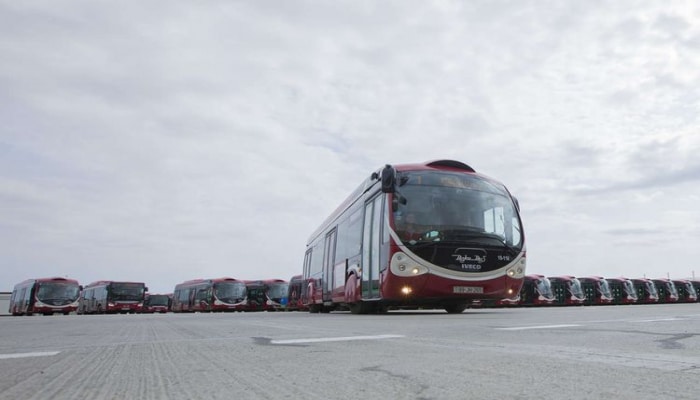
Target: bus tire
column 314, row 308
column 455, row 308
column 361, row 307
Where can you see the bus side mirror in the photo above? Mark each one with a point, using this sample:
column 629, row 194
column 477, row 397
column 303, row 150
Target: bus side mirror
column 388, row 179
column 145, row 289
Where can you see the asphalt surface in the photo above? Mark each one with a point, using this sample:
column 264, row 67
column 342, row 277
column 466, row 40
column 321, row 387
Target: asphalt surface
column 621, row 352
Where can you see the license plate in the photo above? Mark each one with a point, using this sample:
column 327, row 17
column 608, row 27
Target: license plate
column 467, row 289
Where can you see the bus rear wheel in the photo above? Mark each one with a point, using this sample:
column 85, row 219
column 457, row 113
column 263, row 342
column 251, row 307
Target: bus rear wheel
column 455, row 308
column 361, row 307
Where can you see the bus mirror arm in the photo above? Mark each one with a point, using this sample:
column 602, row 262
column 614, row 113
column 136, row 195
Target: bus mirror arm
column 398, row 199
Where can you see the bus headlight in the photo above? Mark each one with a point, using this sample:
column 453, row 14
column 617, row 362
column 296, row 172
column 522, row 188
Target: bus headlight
column 406, row 290
column 402, row 265
column 517, row 271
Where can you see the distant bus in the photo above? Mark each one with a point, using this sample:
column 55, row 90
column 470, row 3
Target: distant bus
column 220, row 294
column 622, row 290
column 431, row 235
column 45, row 296
column 596, row 290
column 536, row 291
column 295, row 291
column 646, row 291
column 686, row 291
column 156, row 303
column 267, row 295
column 112, row 297
column 667, row 290
column 567, row 290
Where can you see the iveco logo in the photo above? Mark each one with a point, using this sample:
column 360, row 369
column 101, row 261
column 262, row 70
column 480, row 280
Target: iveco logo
column 464, row 255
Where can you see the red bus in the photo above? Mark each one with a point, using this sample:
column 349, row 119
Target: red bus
column 646, row 290
column 220, row 294
column 267, row 295
column 536, row 291
column 112, row 297
column 686, row 291
column 596, row 290
column 667, row 290
column 567, row 290
column 623, row 290
column 45, row 296
column 431, row 235
column 294, row 294
column 156, row 303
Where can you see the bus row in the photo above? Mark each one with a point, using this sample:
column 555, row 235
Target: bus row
column 539, row 290
column 63, row 296
column 433, row 234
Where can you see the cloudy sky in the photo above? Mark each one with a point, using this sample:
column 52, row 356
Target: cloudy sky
column 163, row 141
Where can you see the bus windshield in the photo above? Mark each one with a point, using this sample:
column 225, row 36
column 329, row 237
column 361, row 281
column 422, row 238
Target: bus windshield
column 446, row 205
column 127, row 291
column 277, row 290
column 158, row 300
column 605, row 288
column 230, row 291
column 652, row 290
column 629, row 290
column 58, row 293
column 575, row 288
column 544, row 288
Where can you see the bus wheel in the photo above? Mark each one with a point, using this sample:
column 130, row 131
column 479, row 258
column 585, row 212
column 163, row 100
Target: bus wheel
column 361, row 307
column 314, row 308
column 455, row 308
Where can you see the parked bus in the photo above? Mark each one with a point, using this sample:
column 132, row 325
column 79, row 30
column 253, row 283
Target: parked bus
column 646, row 290
column 622, row 290
column 667, row 290
column 156, row 303
column 686, row 291
column 267, row 295
column 221, row 294
column 432, row 235
column 45, row 296
column 536, row 291
column 295, row 291
column 596, row 290
column 567, row 290
column 112, row 297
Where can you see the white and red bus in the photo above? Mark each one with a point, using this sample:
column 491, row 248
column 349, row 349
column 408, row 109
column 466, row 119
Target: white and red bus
column 431, row 235
column 596, row 290
column 267, row 295
column 45, row 296
column 567, row 290
column 623, row 290
column 219, row 294
column 536, row 291
column 646, row 290
column 667, row 290
column 156, row 303
column 686, row 291
column 112, row 297
column 295, row 290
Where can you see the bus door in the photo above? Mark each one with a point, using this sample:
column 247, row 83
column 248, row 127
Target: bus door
column 371, row 238
column 328, row 264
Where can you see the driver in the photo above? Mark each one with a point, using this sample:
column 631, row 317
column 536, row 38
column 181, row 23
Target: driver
column 411, row 230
